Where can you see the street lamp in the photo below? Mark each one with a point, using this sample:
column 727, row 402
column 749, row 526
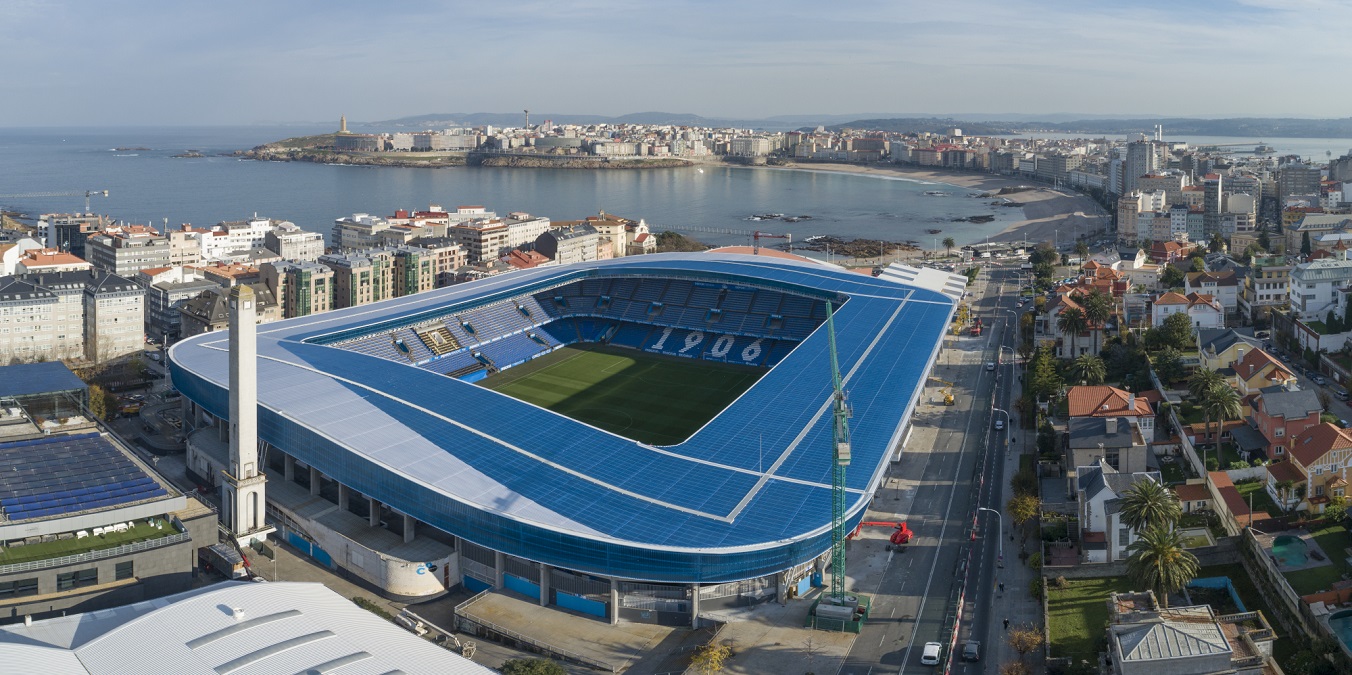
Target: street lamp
column 1000, row 533
column 1008, row 426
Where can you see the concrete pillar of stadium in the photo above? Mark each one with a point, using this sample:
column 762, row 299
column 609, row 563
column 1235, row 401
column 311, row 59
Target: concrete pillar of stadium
column 694, row 606
column 314, row 482
column 544, row 585
column 614, row 602
column 409, row 523
column 289, row 468
column 344, row 495
column 498, row 564
column 374, row 519
column 782, row 588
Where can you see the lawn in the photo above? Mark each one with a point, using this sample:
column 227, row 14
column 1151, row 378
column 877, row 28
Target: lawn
column 1078, row 614
column 652, row 399
column 1334, row 540
column 1256, row 491
column 64, row 547
column 1173, row 473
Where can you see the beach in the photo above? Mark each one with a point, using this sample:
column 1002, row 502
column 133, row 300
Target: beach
column 1052, row 215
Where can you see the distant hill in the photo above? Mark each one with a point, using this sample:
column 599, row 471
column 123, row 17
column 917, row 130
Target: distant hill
column 1246, row 127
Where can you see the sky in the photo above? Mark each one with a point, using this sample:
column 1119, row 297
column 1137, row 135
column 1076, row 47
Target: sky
column 154, row 62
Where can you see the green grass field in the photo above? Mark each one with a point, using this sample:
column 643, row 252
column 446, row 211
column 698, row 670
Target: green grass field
column 650, row 398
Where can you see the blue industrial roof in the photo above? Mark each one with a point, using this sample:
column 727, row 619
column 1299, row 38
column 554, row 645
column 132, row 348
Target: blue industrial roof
column 29, row 379
column 745, row 495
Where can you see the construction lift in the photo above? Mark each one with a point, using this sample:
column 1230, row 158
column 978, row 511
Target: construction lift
column 901, row 534
column 948, row 390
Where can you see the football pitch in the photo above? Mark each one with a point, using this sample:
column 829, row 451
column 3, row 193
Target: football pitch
column 654, row 399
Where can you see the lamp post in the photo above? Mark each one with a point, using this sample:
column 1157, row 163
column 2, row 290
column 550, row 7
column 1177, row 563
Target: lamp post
column 1000, row 534
column 1008, row 426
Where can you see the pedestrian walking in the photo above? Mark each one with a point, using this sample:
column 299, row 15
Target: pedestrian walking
column 1006, row 624
column 1002, row 589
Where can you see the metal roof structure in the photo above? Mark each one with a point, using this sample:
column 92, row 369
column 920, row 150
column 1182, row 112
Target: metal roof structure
column 32, row 379
column 747, row 495
column 231, row 628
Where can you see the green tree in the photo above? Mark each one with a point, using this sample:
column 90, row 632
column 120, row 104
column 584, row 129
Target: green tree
column 1168, row 364
column 1023, row 508
column 1202, row 381
column 1072, row 322
column 1159, row 562
column 1336, row 510
column 1264, row 241
column 1043, row 381
column 1088, row 369
column 948, row 246
column 1219, row 404
column 1098, row 307
column 1217, row 243
column 1149, row 504
column 1198, row 265
column 709, row 658
column 1177, row 331
column 1172, row 277
column 98, row 402
column 1082, row 250
column 1305, row 243
column 533, row 667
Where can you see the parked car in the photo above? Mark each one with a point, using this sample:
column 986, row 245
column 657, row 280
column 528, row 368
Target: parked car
column 930, row 655
column 1340, row 394
column 971, row 651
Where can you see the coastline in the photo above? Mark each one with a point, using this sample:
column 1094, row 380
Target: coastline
column 1049, row 214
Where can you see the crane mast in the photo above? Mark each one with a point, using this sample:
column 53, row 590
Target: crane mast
column 840, row 460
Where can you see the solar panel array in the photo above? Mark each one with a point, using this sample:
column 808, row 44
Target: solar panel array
column 65, row 474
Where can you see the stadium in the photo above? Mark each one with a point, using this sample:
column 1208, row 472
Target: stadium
column 659, row 419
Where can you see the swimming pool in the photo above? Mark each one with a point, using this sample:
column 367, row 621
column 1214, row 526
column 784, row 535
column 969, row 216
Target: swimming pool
column 1341, row 623
column 1290, row 551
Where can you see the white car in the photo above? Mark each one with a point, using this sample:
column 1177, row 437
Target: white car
column 930, row 657
column 999, row 425
column 990, row 365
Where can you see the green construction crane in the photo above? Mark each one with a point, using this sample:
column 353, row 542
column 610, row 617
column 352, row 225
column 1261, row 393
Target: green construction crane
column 840, row 460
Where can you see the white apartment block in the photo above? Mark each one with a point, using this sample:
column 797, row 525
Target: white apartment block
column 226, row 238
column 292, row 243
column 1317, row 287
column 750, row 146
column 359, row 230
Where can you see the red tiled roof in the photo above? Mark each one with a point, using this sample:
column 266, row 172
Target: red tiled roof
column 1192, row 493
column 1313, row 443
column 1285, row 471
column 1104, row 401
column 1171, row 298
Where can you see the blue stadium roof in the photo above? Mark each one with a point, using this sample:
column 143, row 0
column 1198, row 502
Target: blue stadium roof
column 746, row 495
column 30, row 379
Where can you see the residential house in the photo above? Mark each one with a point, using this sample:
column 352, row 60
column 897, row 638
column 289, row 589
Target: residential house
column 1256, row 369
column 1223, row 286
column 210, row 311
column 1099, row 489
column 1193, row 497
column 1266, row 286
column 1203, row 310
column 49, row 260
column 1316, row 287
column 1106, row 401
column 1167, row 252
column 1217, row 348
column 1144, row 639
column 1318, row 459
column 1115, row 440
column 1281, row 414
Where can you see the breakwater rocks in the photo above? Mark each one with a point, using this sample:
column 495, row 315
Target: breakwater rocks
column 270, row 153
column 855, row 248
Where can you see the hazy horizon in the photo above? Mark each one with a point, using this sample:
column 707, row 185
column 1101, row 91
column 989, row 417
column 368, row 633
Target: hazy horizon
column 85, row 63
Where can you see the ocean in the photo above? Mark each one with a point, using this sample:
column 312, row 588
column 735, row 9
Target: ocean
column 151, row 186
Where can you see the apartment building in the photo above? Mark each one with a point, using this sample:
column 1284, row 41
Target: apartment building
column 167, row 290
column 571, row 244
column 1317, row 287
column 292, row 243
column 359, row 279
column 185, row 247
column 1267, row 285
column 114, row 317
column 301, row 288
column 450, row 257
column 210, row 310
column 125, row 250
column 48, row 260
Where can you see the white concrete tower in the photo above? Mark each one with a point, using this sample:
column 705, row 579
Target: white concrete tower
column 243, row 498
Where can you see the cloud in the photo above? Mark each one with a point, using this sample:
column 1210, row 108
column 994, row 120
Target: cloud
column 161, row 62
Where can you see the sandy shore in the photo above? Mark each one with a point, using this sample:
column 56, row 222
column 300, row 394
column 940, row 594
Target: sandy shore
column 1049, row 215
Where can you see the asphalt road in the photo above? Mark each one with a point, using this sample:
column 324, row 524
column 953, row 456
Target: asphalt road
column 916, row 600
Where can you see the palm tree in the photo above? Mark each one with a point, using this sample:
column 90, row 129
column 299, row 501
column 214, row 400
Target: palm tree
column 1202, row 381
column 1071, row 322
column 1082, row 250
column 1149, row 504
column 1097, row 308
column 1088, row 369
column 948, row 246
column 1159, row 562
column 1219, row 403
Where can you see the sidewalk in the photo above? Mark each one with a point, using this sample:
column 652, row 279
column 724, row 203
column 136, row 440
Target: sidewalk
column 1016, row 603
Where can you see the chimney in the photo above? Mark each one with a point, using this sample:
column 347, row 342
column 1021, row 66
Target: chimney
column 1111, row 425
column 237, row 613
column 1131, row 401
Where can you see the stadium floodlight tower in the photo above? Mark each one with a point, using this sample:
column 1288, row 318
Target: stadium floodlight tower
column 840, row 460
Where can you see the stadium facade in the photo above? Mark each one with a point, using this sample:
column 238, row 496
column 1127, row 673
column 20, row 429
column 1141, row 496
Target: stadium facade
column 379, row 402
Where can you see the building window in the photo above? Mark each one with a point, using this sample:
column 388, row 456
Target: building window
column 1123, row 537
column 69, row 580
column 1319, row 490
column 18, row 588
column 124, row 570
column 1279, row 432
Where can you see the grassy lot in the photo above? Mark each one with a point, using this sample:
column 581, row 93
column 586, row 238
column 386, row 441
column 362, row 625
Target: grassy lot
column 646, row 397
column 1256, row 491
column 64, row 547
column 1173, row 473
column 1333, row 539
column 1078, row 614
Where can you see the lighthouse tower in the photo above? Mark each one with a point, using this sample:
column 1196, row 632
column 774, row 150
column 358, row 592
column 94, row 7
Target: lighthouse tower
column 342, row 124
column 243, row 498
